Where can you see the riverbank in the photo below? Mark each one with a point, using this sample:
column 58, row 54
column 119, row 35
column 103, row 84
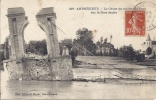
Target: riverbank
column 111, row 67
column 122, row 81
column 99, row 62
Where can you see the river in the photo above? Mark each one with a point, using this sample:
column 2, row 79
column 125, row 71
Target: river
column 14, row 89
column 73, row 90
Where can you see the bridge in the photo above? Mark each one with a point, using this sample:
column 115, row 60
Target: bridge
column 19, row 66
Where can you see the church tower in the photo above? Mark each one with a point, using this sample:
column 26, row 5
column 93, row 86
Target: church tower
column 148, row 41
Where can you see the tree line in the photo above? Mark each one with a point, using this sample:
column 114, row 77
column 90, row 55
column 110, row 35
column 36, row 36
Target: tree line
column 81, row 44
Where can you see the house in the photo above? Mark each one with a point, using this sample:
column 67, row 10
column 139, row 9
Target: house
column 106, row 49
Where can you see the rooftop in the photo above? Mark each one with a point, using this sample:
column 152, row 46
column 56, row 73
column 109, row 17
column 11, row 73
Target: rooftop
column 148, row 38
column 153, row 42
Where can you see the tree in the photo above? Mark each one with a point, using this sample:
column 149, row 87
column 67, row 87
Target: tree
column 84, row 34
column 105, row 42
column 148, row 51
column 111, row 38
column 6, row 47
column 84, row 37
column 127, row 52
column 38, row 47
column 1, row 57
column 116, row 53
column 73, row 53
column 101, row 42
column 67, row 42
column 97, row 43
column 140, row 57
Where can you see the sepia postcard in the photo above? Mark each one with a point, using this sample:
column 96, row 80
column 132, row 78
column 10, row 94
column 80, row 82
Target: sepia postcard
column 78, row 49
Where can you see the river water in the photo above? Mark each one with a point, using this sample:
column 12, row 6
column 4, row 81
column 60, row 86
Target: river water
column 14, row 89
column 74, row 90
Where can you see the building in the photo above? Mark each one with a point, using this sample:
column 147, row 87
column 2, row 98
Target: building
column 149, row 43
column 106, row 50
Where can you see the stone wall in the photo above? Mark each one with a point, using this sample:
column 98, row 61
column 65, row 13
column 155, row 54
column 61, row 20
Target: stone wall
column 59, row 68
column 35, row 69
column 13, row 68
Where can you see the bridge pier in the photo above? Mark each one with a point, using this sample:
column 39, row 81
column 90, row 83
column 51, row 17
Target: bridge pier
column 54, row 67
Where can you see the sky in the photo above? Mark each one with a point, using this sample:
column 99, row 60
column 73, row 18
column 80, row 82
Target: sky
column 69, row 21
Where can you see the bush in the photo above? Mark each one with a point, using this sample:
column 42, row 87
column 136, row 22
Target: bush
column 127, row 52
column 140, row 57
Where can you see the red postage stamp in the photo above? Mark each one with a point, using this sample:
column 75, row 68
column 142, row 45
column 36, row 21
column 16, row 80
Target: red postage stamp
column 135, row 23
